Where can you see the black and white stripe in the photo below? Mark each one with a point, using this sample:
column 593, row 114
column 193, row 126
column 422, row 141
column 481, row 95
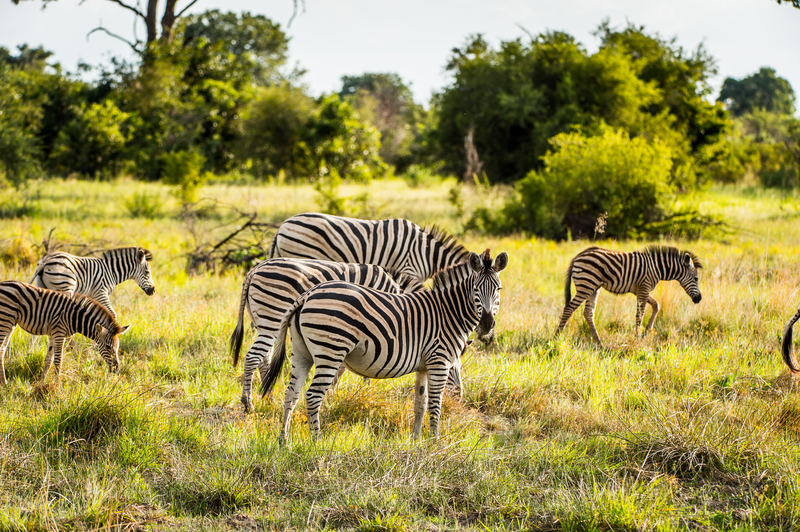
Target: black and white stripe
column 397, row 243
column 271, row 287
column 786, row 345
column 95, row 277
column 380, row 335
column 59, row 316
column 637, row 272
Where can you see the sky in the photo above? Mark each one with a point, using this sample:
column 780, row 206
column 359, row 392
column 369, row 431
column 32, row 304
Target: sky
column 414, row 38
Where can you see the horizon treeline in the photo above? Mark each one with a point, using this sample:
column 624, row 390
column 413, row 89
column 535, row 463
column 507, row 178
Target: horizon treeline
column 618, row 134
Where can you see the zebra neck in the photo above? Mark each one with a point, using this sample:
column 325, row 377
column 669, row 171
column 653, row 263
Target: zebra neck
column 86, row 315
column 665, row 268
column 459, row 303
column 120, row 264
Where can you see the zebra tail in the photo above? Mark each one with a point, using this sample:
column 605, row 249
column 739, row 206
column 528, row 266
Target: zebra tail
column 568, row 284
column 279, row 350
column 273, row 246
column 786, row 345
column 238, row 332
column 36, row 280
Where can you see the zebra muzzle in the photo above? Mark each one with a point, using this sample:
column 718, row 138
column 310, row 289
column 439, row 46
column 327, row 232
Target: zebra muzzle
column 485, row 325
column 696, row 298
column 150, row 290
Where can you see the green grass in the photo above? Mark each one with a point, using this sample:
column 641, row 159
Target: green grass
column 695, row 427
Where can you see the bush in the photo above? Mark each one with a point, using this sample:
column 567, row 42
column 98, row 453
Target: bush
column 183, row 169
column 586, row 178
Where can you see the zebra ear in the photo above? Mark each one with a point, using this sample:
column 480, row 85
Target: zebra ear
column 475, row 262
column 501, row 262
column 687, row 259
column 141, row 255
column 123, row 329
column 99, row 329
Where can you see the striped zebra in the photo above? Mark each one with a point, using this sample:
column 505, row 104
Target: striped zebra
column 380, row 335
column 398, row 244
column 95, row 277
column 637, row 272
column 57, row 315
column 786, row 345
column 271, row 287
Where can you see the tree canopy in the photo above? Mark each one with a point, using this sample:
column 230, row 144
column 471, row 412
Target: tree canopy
column 762, row 90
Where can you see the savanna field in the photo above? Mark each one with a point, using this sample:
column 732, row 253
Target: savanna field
column 695, row 427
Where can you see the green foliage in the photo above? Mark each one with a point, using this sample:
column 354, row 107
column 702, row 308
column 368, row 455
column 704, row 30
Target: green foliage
column 385, row 102
column 275, row 132
column 94, row 142
column 585, row 178
column 520, row 96
column 762, row 90
column 143, row 205
column 183, row 170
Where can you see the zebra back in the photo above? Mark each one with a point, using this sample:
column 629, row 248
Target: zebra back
column 392, row 243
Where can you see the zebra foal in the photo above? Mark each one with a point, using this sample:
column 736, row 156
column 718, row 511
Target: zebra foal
column 380, row 335
column 271, row 287
column 57, row 315
column 95, row 277
column 396, row 243
column 636, row 272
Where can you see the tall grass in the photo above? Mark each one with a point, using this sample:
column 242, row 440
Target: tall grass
column 696, row 426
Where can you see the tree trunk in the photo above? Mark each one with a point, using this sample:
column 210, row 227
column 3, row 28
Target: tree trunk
column 150, row 21
column 168, row 21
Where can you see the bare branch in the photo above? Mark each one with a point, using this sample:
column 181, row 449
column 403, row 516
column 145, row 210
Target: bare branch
column 123, row 39
column 182, row 11
column 126, row 6
column 294, row 11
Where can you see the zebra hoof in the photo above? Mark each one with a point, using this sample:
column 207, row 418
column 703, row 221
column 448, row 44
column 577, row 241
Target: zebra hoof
column 248, row 406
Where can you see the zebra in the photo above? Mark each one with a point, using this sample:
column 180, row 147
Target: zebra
column 58, row 315
column 380, row 335
column 396, row 243
column 786, row 345
column 636, row 272
column 95, row 277
column 272, row 286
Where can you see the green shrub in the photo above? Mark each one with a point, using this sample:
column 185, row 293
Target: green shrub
column 610, row 177
column 143, row 205
column 183, row 169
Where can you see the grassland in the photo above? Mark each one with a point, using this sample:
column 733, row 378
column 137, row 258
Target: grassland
column 695, row 427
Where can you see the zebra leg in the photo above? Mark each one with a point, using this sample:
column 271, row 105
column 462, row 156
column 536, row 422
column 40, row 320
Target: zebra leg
column 641, row 305
column 258, row 356
column 324, row 376
column 571, row 307
column 6, row 335
column 654, row 305
column 420, row 401
column 588, row 314
column 58, row 350
column 301, row 366
column 437, row 377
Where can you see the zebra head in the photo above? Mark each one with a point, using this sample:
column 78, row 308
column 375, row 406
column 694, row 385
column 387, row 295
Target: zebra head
column 688, row 275
column 142, row 273
column 487, row 288
column 107, row 340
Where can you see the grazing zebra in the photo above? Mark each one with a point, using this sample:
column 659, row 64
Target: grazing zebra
column 398, row 244
column 95, row 277
column 786, row 345
column 380, row 335
column 637, row 272
column 271, row 287
column 59, row 316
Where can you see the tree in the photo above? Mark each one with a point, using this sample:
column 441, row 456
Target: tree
column 795, row 3
column 384, row 101
column 762, row 90
column 169, row 18
column 520, row 96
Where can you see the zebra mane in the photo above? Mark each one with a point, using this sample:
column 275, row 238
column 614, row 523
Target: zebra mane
column 91, row 305
column 147, row 255
column 672, row 252
column 448, row 241
column 407, row 283
column 449, row 276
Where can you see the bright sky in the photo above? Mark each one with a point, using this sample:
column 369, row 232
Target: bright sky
column 413, row 38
